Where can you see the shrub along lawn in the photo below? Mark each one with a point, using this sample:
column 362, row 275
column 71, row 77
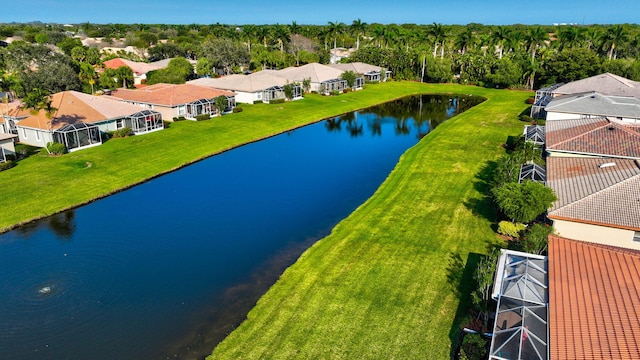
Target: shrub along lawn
column 382, row 285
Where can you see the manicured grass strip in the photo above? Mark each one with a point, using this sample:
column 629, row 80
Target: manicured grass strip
column 378, row 287
column 43, row 185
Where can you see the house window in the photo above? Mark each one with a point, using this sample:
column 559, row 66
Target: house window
column 636, row 236
column 182, row 109
column 38, row 135
column 119, row 124
column 24, row 133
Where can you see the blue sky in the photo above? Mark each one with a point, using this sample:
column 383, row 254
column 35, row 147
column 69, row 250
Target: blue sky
column 494, row 12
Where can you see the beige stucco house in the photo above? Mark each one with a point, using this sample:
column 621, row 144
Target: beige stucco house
column 186, row 100
column 598, row 199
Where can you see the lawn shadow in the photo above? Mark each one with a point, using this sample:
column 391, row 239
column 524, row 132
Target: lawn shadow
column 483, row 183
column 460, row 276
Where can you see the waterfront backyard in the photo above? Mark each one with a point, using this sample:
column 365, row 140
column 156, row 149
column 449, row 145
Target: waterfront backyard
column 392, row 280
column 382, row 284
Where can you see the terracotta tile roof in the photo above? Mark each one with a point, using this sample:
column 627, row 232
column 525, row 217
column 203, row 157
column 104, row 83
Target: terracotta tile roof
column 587, row 192
column 11, row 109
column 594, row 291
column 73, row 107
column 138, row 68
column 169, row 94
column 594, row 136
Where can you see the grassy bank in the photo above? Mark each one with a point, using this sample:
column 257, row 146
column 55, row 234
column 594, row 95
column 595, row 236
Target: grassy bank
column 43, row 185
column 386, row 283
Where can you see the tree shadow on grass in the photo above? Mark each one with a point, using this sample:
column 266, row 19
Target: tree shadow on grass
column 460, row 276
column 484, row 205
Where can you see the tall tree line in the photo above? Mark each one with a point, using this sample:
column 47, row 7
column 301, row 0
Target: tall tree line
column 51, row 56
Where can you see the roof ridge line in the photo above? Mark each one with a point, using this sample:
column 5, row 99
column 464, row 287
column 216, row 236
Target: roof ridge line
column 583, row 134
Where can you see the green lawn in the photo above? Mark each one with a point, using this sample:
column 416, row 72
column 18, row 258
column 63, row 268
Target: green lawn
column 384, row 284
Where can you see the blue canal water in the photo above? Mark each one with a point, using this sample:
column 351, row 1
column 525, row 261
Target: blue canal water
column 166, row 269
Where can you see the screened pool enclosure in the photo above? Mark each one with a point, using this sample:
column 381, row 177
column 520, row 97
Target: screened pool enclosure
column 77, row 136
column 521, row 290
column 144, row 121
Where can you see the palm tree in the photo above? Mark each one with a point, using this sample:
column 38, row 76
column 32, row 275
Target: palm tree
column 359, row 28
column 465, row 40
column 615, row 37
column 571, row 37
column 294, row 28
column 439, row 34
column 281, row 33
column 336, row 29
column 499, row 36
column 534, row 39
column 380, row 34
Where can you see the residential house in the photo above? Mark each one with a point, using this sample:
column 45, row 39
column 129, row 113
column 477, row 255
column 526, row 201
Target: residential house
column 9, row 116
column 594, row 105
column 79, row 120
column 139, row 69
column 598, row 199
column 606, row 84
column 171, row 100
column 260, row 86
column 323, row 79
column 593, row 297
column 338, row 53
column 578, row 302
column 592, row 137
column 370, row 73
column 7, row 147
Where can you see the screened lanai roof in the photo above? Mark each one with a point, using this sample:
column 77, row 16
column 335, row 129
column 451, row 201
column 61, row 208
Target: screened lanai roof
column 143, row 113
column 521, row 289
column 535, row 134
column 75, row 126
column 532, row 172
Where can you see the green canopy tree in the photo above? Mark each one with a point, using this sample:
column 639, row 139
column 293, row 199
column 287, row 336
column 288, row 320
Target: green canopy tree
column 178, row 71
column 523, row 202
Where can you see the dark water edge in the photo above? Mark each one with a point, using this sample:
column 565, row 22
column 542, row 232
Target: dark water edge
column 212, row 325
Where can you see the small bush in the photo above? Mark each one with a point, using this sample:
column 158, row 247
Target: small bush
column 55, row 148
column 121, row 133
column 536, row 238
column 474, row 347
column 179, row 118
column 258, row 102
column 508, row 228
column 202, row 117
column 7, row 165
column 525, row 118
column 237, row 110
column 276, row 101
column 335, row 92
